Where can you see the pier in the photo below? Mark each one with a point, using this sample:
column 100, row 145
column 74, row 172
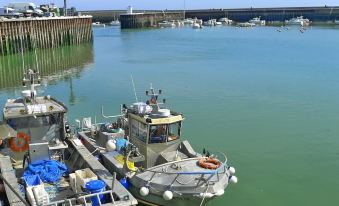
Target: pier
column 44, row 32
column 150, row 18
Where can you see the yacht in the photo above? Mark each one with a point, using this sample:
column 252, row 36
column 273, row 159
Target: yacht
column 146, row 149
column 42, row 163
column 246, row 24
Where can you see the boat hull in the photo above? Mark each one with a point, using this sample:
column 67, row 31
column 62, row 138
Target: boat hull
column 155, row 199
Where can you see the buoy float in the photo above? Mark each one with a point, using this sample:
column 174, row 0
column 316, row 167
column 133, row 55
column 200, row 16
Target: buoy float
column 144, row 191
column 111, row 146
column 220, row 192
column 232, row 170
column 168, row 195
column 233, row 179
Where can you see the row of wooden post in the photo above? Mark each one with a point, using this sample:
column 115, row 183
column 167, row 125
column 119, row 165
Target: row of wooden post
column 28, row 34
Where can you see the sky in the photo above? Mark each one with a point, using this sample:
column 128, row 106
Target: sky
column 177, row 4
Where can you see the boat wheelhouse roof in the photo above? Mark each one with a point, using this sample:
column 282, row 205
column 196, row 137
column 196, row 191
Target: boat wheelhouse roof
column 156, row 120
column 24, row 107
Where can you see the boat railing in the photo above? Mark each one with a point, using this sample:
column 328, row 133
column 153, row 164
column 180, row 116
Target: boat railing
column 83, row 199
column 220, row 170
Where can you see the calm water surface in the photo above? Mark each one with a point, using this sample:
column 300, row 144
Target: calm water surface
column 269, row 100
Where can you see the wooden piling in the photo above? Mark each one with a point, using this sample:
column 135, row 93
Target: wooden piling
column 43, row 32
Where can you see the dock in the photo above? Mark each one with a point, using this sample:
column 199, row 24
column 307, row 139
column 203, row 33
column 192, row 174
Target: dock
column 43, row 32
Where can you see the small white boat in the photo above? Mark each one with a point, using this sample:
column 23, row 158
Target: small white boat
column 300, row 21
column 218, row 23
column 98, row 24
column 226, row 21
column 115, row 23
column 258, row 21
column 246, row 24
column 336, row 22
column 197, row 26
column 209, row 23
column 188, row 21
column 178, row 23
column 166, row 24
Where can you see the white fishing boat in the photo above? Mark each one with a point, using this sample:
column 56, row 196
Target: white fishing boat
column 166, row 24
column 98, row 24
column 188, row 21
column 258, row 21
column 246, row 24
column 226, row 21
column 115, row 23
column 209, row 23
column 300, row 21
column 197, row 26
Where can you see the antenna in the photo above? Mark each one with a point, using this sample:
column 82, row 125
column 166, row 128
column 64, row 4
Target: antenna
column 135, row 93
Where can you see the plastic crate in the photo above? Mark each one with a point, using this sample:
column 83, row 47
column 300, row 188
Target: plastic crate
column 83, row 176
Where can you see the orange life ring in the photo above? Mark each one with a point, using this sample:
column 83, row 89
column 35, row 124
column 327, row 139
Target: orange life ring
column 209, row 163
column 16, row 144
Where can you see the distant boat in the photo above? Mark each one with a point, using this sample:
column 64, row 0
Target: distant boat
column 196, row 26
column 166, row 24
column 336, row 21
column 217, row 23
column 258, row 21
column 189, row 21
column 300, row 21
column 246, row 24
column 209, row 23
column 98, row 24
column 115, row 23
column 226, row 21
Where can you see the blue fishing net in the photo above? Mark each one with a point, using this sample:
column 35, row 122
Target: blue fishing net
column 48, row 170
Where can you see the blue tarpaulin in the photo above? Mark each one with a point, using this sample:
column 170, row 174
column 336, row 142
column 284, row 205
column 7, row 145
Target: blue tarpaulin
column 48, row 170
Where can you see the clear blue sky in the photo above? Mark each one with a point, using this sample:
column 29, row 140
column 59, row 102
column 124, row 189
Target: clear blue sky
column 178, row 4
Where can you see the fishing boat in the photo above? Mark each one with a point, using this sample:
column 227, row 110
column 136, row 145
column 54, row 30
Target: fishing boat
column 226, row 21
column 300, row 21
column 98, row 24
column 166, row 24
column 188, row 21
column 246, row 24
column 197, row 26
column 115, row 23
column 42, row 163
column 146, row 149
column 258, row 21
column 209, row 23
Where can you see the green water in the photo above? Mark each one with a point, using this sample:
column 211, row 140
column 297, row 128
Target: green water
column 268, row 99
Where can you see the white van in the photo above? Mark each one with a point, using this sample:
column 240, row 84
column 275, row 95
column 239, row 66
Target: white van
column 26, row 8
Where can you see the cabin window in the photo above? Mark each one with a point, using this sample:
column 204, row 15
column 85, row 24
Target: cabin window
column 138, row 130
column 30, row 8
column 158, row 133
column 174, row 131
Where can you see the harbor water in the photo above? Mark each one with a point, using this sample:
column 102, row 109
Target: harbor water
column 268, row 99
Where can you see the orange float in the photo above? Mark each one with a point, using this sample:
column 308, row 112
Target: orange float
column 209, row 163
column 16, row 143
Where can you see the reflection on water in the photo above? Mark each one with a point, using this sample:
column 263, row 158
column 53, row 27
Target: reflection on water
column 53, row 64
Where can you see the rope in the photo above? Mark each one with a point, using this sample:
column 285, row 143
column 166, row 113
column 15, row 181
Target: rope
column 205, row 194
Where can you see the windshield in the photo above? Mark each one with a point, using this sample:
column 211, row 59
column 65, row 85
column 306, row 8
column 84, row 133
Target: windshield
column 164, row 133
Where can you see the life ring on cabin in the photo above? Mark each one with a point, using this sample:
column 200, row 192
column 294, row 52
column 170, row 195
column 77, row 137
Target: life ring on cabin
column 209, row 163
column 19, row 143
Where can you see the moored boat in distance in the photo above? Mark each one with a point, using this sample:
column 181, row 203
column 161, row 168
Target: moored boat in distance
column 197, row 26
column 336, row 22
column 146, row 149
column 246, row 24
column 115, row 23
column 258, row 21
column 166, row 24
column 226, row 21
column 98, row 24
column 300, row 21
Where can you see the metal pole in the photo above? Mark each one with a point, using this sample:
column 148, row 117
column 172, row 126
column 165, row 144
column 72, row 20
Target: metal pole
column 65, row 7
